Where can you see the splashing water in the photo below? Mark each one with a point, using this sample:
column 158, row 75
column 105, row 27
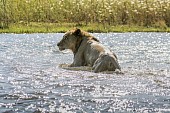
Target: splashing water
column 32, row 81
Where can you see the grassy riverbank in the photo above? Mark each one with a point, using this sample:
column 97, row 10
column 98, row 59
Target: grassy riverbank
column 28, row 16
column 59, row 28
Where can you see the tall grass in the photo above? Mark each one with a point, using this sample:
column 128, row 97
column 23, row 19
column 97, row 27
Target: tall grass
column 149, row 13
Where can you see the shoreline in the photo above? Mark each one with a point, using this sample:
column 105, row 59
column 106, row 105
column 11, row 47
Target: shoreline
column 35, row 27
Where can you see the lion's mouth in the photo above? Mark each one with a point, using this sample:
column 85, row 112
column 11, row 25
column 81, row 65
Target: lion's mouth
column 61, row 48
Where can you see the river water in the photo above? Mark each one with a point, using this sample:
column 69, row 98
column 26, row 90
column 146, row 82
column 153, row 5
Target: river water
column 31, row 80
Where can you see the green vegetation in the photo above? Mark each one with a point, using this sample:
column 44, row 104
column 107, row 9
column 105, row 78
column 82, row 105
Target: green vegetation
column 27, row 16
column 33, row 27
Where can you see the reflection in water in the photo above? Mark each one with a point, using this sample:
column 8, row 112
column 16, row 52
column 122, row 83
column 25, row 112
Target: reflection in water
column 32, row 80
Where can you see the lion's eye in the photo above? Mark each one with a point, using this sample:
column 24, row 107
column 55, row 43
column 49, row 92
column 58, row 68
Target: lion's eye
column 65, row 38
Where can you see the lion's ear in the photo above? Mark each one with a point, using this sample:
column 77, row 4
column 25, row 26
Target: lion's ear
column 77, row 32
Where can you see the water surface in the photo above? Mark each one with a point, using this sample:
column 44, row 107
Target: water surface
column 31, row 80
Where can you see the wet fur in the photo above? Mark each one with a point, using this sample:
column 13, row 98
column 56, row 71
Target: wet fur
column 88, row 51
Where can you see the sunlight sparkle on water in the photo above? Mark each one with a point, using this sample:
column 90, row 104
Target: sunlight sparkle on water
column 32, row 80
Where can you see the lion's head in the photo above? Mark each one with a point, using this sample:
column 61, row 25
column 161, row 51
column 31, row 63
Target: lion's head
column 72, row 39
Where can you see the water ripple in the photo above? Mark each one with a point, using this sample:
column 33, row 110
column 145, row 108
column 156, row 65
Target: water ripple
column 33, row 81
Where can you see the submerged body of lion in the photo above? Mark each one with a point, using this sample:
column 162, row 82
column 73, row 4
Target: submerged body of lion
column 88, row 51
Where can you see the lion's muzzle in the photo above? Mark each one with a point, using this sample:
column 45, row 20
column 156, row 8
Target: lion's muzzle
column 60, row 46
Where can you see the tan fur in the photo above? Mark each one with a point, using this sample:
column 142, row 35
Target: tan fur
column 88, row 51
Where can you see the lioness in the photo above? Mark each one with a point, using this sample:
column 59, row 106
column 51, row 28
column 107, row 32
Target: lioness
column 88, row 51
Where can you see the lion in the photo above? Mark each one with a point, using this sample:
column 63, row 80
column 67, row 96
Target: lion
column 88, row 51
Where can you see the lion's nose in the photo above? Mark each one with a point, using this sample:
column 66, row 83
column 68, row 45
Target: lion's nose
column 58, row 44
